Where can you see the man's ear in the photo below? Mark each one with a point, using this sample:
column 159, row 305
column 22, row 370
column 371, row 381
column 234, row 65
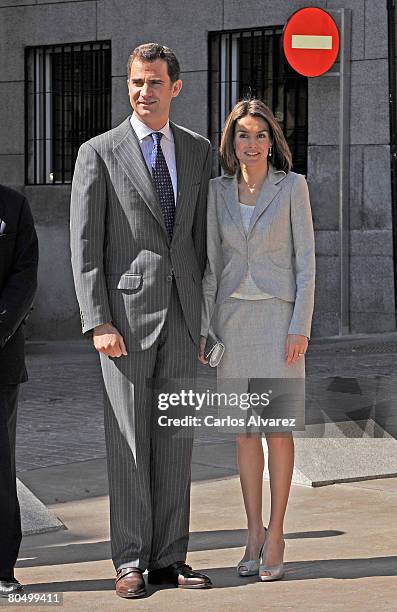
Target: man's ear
column 176, row 88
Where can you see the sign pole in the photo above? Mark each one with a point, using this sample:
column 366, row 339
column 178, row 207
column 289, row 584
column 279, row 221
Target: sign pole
column 311, row 43
column 344, row 172
column 344, row 75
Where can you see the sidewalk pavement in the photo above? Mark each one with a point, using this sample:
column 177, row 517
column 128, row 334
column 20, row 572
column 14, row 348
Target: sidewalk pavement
column 340, row 551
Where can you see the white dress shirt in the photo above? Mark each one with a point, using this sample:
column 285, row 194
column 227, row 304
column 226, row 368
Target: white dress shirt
column 167, row 144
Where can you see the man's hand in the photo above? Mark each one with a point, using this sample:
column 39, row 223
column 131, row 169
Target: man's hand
column 203, row 342
column 295, row 348
column 108, row 340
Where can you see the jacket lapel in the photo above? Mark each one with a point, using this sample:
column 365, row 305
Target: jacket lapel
column 270, row 189
column 128, row 152
column 184, row 157
column 232, row 203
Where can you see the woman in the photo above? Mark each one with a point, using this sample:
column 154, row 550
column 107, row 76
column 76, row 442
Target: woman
column 258, row 295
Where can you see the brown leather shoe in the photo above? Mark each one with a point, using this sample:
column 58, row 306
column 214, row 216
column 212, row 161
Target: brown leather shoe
column 180, row 575
column 130, row 583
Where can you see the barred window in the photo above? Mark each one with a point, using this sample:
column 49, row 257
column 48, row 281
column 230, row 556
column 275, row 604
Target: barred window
column 251, row 63
column 68, row 101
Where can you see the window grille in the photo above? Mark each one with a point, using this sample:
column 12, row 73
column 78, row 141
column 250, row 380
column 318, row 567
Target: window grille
column 251, row 63
column 68, row 101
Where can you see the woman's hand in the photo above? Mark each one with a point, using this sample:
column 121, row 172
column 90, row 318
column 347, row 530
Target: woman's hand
column 202, row 359
column 295, row 348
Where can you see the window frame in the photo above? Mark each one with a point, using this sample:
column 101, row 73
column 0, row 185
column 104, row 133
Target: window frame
column 215, row 92
column 42, row 160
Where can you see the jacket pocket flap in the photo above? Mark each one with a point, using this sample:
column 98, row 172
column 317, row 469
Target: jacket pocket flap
column 125, row 281
column 129, row 281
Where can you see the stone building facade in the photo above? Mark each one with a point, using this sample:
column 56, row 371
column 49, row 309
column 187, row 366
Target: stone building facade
column 204, row 34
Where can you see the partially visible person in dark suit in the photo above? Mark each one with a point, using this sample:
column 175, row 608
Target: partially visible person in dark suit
column 18, row 281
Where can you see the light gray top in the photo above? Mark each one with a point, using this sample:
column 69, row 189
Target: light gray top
column 248, row 289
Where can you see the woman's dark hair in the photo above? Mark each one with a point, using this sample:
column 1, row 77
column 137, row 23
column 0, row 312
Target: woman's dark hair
column 281, row 154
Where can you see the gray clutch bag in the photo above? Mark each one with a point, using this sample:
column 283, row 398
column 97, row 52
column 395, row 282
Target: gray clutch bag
column 213, row 350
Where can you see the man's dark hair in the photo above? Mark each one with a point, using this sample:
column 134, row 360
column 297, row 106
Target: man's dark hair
column 149, row 52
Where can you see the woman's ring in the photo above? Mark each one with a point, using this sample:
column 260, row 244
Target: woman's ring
column 300, row 354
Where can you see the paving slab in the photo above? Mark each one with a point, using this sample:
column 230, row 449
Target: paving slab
column 342, row 452
column 35, row 516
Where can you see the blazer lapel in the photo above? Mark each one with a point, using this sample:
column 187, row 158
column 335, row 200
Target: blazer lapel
column 270, row 189
column 232, row 203
column 184, row 157
column 128, row 152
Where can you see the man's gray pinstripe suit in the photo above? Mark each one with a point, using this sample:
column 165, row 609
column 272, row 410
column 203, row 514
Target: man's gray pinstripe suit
column 127, row 272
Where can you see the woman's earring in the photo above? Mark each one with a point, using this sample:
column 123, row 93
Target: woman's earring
column 270, row 151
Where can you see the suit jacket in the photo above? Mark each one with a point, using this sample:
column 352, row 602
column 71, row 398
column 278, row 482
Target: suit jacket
column 278, row 248
column 123, row 261
column 18, row 281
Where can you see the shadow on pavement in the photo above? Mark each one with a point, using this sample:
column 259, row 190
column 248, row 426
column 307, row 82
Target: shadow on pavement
column 77, row 552
column 343, row 569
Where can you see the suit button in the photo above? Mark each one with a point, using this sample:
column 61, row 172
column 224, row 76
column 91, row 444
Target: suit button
column 169, row 278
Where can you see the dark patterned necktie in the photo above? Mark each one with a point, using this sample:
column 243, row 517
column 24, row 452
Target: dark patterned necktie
column 162, row 182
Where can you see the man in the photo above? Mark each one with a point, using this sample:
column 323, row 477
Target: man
column 18, row 281
column 138, row 216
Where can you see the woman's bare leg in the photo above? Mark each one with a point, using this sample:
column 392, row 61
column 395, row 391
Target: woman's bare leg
column 251, row 464
column 281, row 465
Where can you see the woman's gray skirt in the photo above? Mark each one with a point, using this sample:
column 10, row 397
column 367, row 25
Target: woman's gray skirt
column 254, row 333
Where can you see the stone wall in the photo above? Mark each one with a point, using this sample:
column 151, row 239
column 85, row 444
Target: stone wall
column 184, row 27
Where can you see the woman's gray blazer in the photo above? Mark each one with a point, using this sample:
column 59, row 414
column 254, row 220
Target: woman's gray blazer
column 278, row 248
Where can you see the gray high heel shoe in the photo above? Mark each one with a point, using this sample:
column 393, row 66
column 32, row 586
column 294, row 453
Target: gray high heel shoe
column 251, row 566
column 275, row 571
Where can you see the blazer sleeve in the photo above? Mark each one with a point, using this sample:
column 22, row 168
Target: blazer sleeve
column 87, row 234
column 17, row 295
column 214, row 266
column 303, row 239
column 200, row 218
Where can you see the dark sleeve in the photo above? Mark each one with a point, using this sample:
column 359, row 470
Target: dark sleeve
column 17, row 295
column 200, row 217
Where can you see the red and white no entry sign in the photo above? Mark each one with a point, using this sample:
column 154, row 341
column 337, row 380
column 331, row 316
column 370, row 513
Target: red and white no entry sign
column 311, row 41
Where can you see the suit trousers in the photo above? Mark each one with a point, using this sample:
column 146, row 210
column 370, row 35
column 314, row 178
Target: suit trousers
column 149, row 467
column 10, row 523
